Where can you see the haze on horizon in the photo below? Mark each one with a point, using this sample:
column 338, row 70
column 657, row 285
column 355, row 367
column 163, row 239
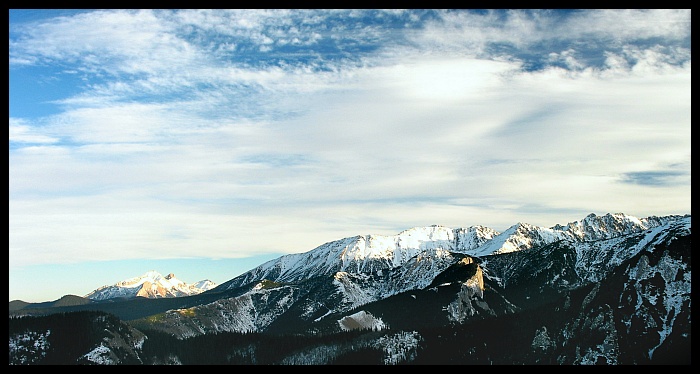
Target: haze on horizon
column 204, row 142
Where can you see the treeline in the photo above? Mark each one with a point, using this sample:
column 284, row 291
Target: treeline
column 528, row 337
column 233, row 348
column 64, row 337
column 69, row 336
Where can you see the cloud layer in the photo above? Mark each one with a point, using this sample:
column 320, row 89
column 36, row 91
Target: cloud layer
column 181, row 133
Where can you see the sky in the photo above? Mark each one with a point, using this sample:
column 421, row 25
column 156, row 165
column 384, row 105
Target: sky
column 206, row 142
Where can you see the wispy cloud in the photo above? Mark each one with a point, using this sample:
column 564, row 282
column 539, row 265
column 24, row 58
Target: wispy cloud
column 666, row 175
column 654, row 177
column 228, row 132
column 20, row 131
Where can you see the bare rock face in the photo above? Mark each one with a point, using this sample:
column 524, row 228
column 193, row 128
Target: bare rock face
column 152, row 290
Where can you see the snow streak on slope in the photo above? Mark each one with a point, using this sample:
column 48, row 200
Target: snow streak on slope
column 351, row 287
column 252, row 311
column 594, row 259
column 517, row 238
column 357, row 289
column 676, row 290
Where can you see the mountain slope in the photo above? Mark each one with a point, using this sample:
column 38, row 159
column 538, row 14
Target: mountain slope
column 365, row 254
column 371, row 253
column 609, row 289
column 535, row 274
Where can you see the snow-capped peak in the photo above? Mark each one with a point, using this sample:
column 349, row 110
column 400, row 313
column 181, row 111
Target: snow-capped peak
column 151, row 276
column 594, row 227
column 518, row 237
column 151, row 285
column 205, row 284
column 375, row 253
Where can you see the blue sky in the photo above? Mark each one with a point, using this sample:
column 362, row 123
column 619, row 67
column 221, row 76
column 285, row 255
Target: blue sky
column 205, row 142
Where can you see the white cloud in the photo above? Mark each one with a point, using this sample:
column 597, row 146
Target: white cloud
column 629, row 24
column 22, row 132
column 182, row 147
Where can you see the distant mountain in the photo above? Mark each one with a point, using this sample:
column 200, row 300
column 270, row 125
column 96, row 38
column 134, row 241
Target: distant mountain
column 70, row 300
column 18, row 304
column 151, row 285
column 64, row 301
column 610, row 289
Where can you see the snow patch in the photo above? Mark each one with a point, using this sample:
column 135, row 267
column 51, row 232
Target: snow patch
column 361, row 320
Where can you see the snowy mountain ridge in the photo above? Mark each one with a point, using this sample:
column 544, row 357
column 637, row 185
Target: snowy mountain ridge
column 611, row 289
column 367, row 254
column 372, row 253
column 368, row 268
column 346, row 275
column 151, row 285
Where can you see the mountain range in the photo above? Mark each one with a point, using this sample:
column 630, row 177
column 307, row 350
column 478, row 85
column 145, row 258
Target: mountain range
column 611, row 289
column 150, row 285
